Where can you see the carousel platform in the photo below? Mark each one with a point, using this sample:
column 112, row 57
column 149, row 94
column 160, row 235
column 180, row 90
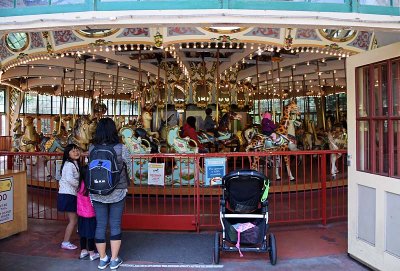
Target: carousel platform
column 306, row 247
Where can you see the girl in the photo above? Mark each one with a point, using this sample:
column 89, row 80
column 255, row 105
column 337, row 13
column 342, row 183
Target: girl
column 86, row 220
column 68, row 186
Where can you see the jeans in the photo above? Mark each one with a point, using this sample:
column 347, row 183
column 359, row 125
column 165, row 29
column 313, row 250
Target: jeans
column 108, row 212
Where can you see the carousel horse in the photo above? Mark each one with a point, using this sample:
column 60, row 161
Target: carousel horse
column 30, row 138
column 55, row 143
column 163, row 130
column 337, row 141
column 225, row 136
column 282, row 142
column 81, row 133
column 185, row 167
column 17, row 130
column 138, row 168
column 146, row 120
column 119, row 122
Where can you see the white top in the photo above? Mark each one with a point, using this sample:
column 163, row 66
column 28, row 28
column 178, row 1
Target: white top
column 69, row 181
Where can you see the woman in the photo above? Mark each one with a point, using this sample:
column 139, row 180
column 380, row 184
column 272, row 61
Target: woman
column 110, row 207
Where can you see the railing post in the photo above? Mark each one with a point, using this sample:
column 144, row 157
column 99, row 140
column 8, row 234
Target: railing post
column 323, row 188
column 197, row 190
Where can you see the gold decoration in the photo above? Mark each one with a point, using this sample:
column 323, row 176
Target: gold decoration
column 158, row 39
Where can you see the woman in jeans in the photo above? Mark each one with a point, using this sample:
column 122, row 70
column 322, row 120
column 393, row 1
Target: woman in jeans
column 109, row 208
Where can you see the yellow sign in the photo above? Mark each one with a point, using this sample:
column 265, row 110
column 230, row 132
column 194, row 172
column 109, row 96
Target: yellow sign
column 5, row 185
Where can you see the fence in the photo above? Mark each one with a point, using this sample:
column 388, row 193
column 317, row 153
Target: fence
column 185, row 199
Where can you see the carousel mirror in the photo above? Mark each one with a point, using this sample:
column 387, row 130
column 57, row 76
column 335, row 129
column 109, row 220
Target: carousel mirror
column 17, row 42
column 338, row 35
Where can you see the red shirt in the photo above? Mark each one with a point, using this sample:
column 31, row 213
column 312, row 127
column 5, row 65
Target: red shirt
column 189, row 131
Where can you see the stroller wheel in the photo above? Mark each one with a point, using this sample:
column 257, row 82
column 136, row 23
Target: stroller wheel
column 272, row 249
column 216, row 247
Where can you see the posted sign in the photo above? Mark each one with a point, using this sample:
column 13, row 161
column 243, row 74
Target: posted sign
column 215, row 170
column 6, row 200
column 156, row 174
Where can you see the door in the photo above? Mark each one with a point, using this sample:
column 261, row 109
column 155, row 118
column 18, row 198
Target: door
column 374, row 160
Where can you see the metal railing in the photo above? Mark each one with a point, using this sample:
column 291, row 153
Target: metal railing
column 31, row 7
column 185, row 200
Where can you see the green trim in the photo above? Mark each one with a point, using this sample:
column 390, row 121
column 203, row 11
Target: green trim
column 348, row 6
column 36, row 10
column 159, row 5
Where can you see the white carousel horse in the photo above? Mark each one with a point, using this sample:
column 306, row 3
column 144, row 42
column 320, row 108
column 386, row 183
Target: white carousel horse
column 337, row 141
column 184, row 170
column 138, row 168
column 146, row 120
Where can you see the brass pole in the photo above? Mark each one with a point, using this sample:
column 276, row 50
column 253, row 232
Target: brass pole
column 84, row 85
column 337, row 97
column 61, row 101
column 74, row 101
column 217, row 90
column 280, row 87
column 258, row 88
column 115, row 93
column 140, row 83
column 273, row 104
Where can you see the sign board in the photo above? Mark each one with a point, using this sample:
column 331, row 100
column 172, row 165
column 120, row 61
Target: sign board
column 58, row 169
column 156, row 174
column 215, row 170
column 6, row 200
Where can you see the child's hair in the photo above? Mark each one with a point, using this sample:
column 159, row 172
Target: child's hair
column 66, row 157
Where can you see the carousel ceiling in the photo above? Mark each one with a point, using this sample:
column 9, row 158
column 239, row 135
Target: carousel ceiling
column 181, row 62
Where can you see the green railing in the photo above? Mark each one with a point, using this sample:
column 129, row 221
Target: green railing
column 34, row 7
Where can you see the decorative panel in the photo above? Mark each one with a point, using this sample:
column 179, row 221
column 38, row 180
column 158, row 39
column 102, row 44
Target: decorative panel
column 366, row 214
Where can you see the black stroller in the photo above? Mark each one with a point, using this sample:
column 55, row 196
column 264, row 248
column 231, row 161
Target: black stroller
column 244, row 215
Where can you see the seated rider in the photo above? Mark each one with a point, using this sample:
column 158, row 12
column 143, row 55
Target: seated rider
column 268, row 126
column 189, row 130
column 209, row 123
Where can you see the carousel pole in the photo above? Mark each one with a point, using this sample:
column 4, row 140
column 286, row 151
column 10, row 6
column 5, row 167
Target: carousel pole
column 61, row 101
column 75, row 93
column 337, row 96
column 273, row 103
column 322, row 98
column 280, row 87
column 217, row 90
column 140, row 83
column 84, row 85
column 166, row 89
column 115, row 94
column 158, row 90
column 258, row 88
column 304, row 88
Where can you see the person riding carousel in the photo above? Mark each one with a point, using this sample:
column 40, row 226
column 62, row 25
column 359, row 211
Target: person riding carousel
column 189, row 130
column 268, row 126
column 209, row 123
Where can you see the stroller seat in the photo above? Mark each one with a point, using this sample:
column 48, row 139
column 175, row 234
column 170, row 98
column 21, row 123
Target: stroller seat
column 244, row 216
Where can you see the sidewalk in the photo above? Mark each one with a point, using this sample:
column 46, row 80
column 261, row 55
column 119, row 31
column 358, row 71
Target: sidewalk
column 305, row 247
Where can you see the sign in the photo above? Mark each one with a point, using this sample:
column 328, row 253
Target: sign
column 58, row 169
column 6, row 200
column 215, row 170
column 156, row 174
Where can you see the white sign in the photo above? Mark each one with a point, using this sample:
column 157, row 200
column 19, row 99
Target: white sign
column 156, row 173
column 6, row 200
column 58, row 169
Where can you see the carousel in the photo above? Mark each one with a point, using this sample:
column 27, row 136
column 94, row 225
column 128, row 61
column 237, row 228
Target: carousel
column 150, row 80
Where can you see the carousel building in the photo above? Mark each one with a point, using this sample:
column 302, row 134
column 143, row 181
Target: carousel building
column 326, row 72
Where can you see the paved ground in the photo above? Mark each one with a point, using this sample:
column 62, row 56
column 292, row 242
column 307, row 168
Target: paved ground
column 309, row 247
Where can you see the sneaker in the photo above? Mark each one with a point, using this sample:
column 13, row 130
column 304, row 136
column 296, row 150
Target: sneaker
column 83, row 254
column 68, row 245
column 115, row 263
column 94, row 256
column 103, row 264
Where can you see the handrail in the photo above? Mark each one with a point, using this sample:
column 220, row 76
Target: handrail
column 34, row 7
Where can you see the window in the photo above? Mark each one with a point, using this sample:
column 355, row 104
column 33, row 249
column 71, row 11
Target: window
column 2, row 100
column 56, row 105
column 378, row 118
column 17, row 42
column 44, row 104
column 46, row 125
column 30, row 103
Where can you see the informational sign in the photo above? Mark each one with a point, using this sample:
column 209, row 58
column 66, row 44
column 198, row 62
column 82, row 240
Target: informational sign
column 215, row 170
column 6, row 200
column 58, row 169
column 156, row 173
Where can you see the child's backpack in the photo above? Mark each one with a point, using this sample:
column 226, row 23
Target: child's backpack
column 103, row 174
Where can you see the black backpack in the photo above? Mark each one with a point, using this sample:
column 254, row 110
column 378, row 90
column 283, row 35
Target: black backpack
column 103, row 174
